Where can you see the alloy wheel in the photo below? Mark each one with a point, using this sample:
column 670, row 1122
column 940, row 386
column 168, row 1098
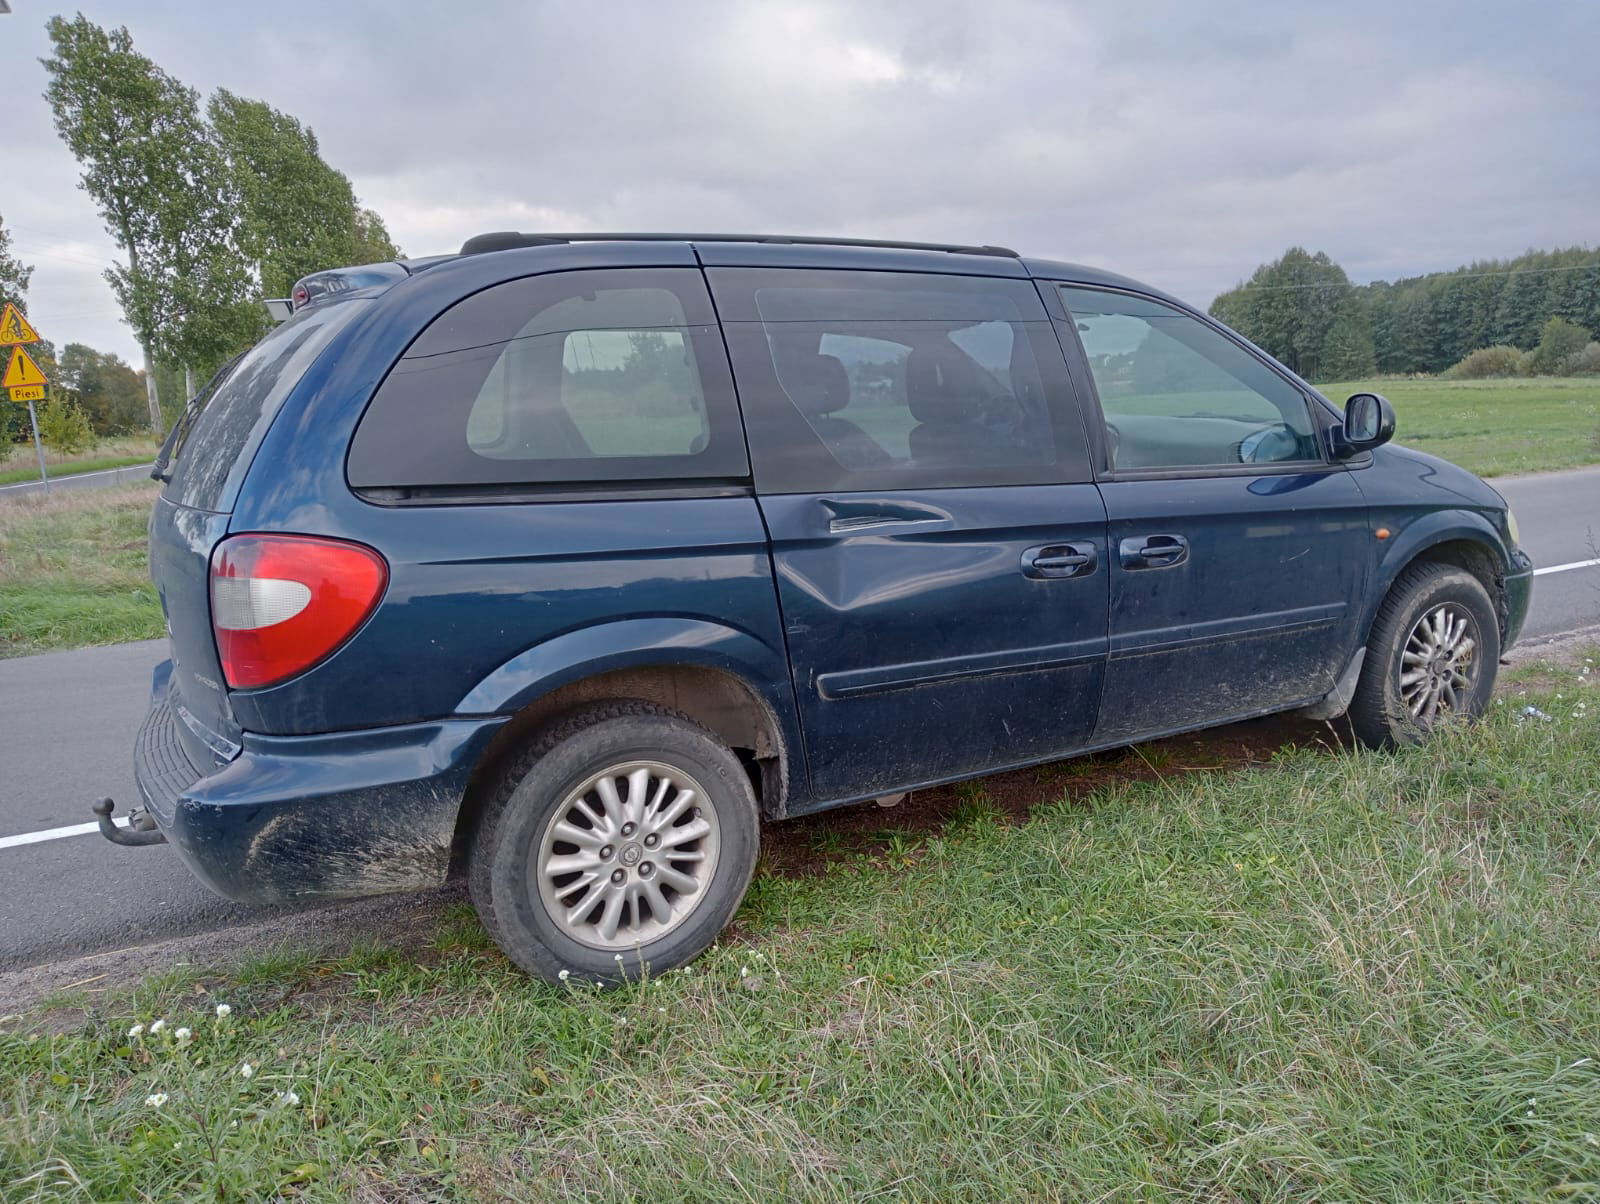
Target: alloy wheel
column 627, row 855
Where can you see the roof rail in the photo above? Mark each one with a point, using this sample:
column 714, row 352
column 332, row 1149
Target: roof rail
column 504, row 240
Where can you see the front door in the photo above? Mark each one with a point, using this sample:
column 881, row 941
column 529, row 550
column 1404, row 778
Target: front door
column 938, row 545
column 1238, row 552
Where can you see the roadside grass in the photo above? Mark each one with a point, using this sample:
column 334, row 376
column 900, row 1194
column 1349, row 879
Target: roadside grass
column 73, row 570
column 1329, row 976
column 22, row 464
column 1493, row 427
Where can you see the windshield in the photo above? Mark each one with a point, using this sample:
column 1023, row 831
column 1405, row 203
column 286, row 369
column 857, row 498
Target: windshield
column 205, row 457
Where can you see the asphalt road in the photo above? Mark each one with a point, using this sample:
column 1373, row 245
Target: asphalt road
column 80, row 480
column 68, row 719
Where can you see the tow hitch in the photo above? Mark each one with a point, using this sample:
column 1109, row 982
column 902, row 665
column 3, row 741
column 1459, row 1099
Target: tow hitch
column 141, row 829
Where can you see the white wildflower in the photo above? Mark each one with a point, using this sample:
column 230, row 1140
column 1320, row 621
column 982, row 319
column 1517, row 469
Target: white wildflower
column 182, row 1035
column 564, row 975
column 288, row 1099
column 156, row 1026
column 136, row 1032
column 223, row 1011
column 156, row 1100
column 246, row 1070
column 744, row 971
column 616, row 957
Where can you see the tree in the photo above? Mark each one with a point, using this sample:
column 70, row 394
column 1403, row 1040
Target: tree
column 63, row 428
column 373, row 244
column 1290, row 306
column 108, row 391
column 1348, row 353
column 158, row 177
column 1559, row 341
column 14, row 274
column 298, row 214
column 14, row 277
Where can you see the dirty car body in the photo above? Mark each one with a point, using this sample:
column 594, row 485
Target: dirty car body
column 883, row 517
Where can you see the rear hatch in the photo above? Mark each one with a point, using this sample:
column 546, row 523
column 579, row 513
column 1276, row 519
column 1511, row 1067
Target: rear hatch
column 203, row 464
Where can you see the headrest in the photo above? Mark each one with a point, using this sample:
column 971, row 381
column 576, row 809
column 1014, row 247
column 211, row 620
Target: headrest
column 941, row 385
column 818, row 385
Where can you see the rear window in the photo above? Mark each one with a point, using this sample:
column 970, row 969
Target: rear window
column 212, row 450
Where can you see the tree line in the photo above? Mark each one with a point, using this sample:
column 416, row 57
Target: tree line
column 212, row 207
column 1537, row 312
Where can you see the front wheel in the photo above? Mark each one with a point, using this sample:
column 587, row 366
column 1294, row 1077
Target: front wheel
column 623, row 840
column 1432, row 656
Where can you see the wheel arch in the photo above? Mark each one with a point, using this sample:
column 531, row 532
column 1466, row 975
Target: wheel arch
column 714, row 674
column 1459, row 539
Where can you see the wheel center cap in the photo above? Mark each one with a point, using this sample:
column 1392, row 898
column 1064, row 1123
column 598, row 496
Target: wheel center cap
column 630, row 854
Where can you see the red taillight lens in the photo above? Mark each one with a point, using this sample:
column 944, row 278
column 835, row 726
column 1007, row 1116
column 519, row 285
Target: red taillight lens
column 280, row 603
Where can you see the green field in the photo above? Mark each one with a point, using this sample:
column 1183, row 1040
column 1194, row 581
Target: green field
column 21, row 463
column 73, row 570
column 1494, row 427
column 1331, row 976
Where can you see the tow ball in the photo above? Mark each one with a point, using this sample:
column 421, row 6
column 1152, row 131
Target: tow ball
column 141, row 829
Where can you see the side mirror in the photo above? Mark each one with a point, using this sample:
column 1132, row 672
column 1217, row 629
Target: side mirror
column 1368, row 423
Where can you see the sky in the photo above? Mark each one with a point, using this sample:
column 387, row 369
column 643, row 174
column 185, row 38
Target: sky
column 1181, row 143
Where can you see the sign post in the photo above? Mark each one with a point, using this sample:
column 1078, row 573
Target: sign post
column 22, row 376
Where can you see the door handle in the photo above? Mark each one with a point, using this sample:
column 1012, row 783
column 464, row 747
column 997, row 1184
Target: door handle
column 855, row 514
column 1153, row 551
column 1056, row 560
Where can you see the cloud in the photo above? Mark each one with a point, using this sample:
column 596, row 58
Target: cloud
column 1176, row 142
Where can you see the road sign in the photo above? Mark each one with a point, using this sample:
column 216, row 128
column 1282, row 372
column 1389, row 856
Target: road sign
column 23, row 371
column 23, row 394
column 14, row 328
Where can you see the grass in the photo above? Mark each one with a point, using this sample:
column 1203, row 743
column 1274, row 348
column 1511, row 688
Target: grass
column 23, row 465
column 73, row 570
column 1494, row 427
column 1333, row 977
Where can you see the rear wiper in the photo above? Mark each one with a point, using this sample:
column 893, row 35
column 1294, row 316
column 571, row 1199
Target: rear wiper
column 180, row 429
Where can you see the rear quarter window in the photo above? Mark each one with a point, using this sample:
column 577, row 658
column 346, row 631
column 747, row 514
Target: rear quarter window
column 616, row 375
column 209, row 462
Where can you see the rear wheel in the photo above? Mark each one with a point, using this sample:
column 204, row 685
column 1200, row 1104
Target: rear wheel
column 624, row 839
column 1432, row 656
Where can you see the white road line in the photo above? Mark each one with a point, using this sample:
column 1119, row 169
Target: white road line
column 11, row 842
column 77, row 476
column 1565, row 568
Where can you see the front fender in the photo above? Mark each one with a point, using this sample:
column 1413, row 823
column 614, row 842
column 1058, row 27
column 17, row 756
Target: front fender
column 1428, row 531
column 629, row 644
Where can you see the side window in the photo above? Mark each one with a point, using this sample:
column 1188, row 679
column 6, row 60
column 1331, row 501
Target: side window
column 572, row 377
column 1177, row 393
column 884, row 380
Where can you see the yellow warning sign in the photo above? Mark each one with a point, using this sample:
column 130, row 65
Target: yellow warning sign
column 23, row 371
column 14, row 328
column 23, row 394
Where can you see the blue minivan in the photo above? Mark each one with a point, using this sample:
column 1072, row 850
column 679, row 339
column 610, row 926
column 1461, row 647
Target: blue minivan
column 564, row 562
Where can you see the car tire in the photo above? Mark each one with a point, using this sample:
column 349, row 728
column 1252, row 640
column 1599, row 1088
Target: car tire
column 1433, row 653
column 617, row 812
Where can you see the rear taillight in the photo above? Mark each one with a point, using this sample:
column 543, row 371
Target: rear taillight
column 281, row 603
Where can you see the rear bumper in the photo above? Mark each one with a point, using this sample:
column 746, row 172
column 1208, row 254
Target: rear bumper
column 335, row 815
column 1519, row 595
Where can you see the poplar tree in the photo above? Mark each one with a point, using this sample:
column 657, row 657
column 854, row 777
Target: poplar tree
column 152, row 167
